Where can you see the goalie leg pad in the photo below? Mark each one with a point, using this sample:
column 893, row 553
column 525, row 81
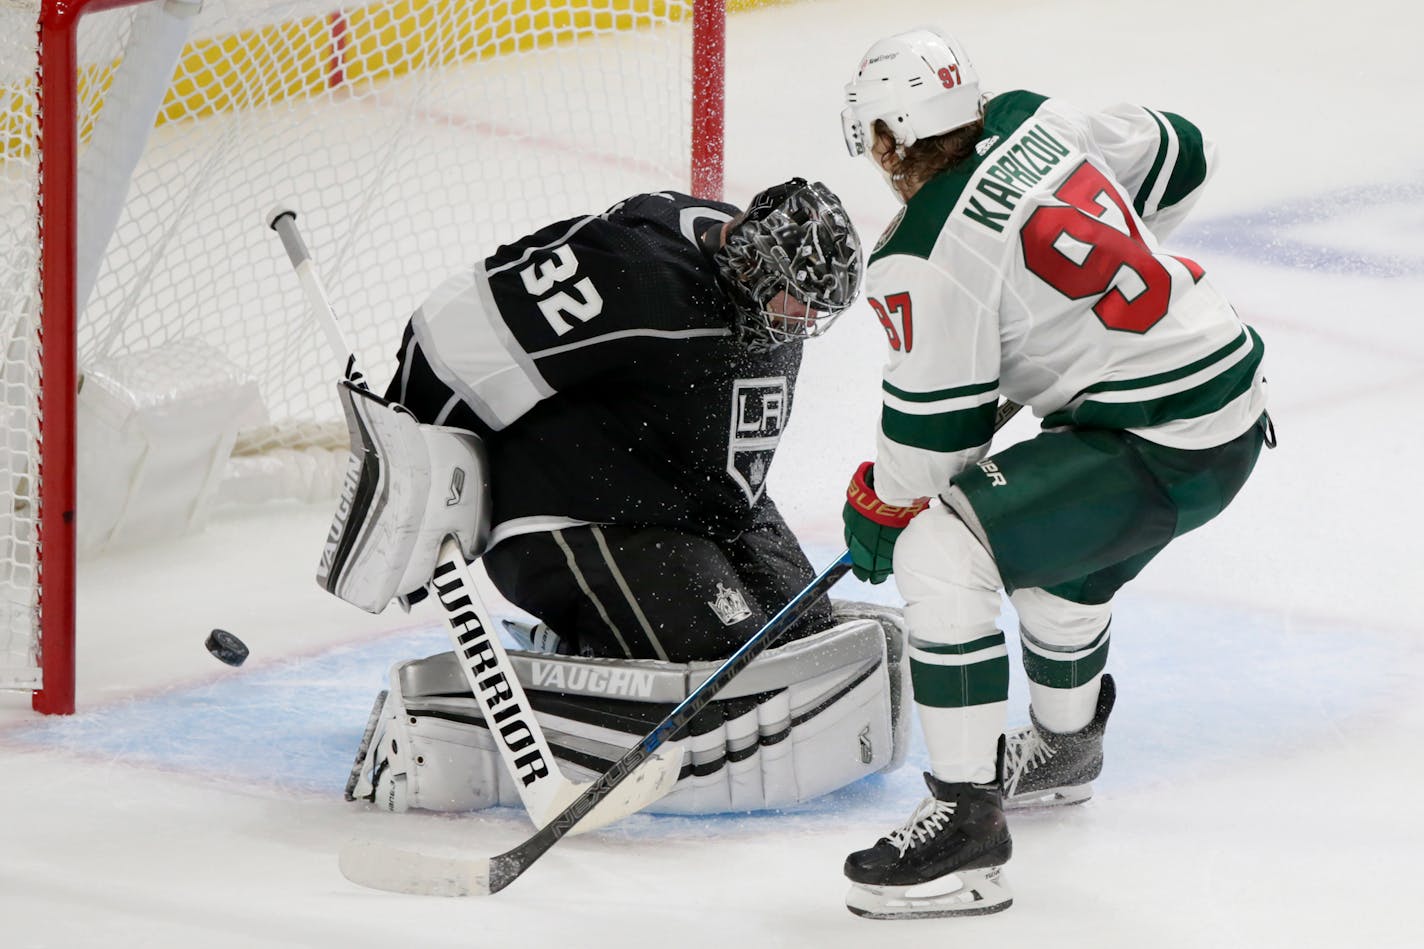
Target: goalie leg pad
column 381, row 772
column 408, row 486
column 415, row 757
column 891, row 620
column 800, row 721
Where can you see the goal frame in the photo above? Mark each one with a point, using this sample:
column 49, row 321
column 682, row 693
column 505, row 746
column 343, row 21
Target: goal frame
column 58, row 149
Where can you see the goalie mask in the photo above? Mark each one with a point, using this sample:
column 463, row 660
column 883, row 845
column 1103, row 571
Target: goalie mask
column 790, row 264
column 920, row 83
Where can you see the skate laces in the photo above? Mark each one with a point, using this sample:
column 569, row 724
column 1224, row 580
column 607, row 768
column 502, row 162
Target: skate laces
column 1022, row 753
column 929, row 818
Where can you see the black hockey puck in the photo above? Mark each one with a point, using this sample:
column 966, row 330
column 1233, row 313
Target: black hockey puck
column 227, row 647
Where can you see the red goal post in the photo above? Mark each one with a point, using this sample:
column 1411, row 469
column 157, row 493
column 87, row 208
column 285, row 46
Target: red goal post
column 141, row 141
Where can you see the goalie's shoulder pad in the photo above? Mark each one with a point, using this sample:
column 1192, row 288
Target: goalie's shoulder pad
column 408, row 486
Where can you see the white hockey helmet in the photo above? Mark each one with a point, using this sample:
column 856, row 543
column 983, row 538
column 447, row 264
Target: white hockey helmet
column 921, row 83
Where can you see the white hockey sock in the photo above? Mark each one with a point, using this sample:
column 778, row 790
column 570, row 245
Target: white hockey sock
column 1064, row 710
column 1065, row 647
column 958, row 658
column 963, row 743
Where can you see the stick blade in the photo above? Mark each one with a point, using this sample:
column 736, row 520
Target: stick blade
column 653, row 779
column 395, row 870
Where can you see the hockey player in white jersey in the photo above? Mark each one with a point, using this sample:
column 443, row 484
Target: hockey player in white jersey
column 1027, row 263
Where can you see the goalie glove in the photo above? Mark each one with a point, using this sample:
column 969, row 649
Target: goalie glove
column 408, row 486
column 872, row 526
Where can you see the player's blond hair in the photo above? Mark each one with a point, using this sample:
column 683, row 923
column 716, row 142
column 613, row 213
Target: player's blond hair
column 927, row 157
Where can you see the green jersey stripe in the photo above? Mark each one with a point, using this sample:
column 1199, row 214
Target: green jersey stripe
column 918, row 225
column 1007, row 111
column 1210, row 396
column 1064, row 673
column 943, row 431
column 1144, row 191
column 1189, row 170
column 1063, row 653
column 979, row 683
column 917, row 228
column 941, row 406
column 939, row 395
column 1190, row 369
column 959, row 649
column 1064, row 667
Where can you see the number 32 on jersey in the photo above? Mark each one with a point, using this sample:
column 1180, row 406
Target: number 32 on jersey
column 575, row 301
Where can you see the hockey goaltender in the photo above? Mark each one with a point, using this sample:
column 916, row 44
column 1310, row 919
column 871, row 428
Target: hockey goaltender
column 623, row 379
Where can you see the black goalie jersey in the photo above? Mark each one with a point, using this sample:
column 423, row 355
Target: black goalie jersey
column 597, row 358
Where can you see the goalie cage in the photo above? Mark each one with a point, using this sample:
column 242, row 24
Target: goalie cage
column 139, row 143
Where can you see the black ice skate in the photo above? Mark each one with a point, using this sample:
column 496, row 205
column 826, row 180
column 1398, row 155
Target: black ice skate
column 943, row 862
column 1044, row 768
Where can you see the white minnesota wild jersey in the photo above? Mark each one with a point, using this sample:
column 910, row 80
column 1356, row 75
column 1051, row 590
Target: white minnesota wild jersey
column 1033, row 270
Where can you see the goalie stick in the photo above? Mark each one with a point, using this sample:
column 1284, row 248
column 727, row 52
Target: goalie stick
column 490, row 675
column 398, row 870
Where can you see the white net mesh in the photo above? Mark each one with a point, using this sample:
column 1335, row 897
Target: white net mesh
column 19, row 357
column 411, row 136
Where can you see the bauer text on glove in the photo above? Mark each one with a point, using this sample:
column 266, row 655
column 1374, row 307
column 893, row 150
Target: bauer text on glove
column 872, row 526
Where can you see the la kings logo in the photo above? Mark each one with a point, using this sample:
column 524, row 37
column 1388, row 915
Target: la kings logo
column 729, row 605
column 759, row 408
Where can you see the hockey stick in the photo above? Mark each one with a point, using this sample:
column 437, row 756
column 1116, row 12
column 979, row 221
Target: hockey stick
column 398, row 870
column 283, row 220
column 490, row 675
column 1005, row 411
column 404, row 871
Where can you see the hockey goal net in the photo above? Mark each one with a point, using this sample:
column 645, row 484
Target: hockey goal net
column 141, row 144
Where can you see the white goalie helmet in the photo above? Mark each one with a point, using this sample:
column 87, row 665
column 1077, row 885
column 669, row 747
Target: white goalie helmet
column 921, row 83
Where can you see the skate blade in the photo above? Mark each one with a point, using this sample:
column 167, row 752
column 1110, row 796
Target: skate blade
column 1050, row 797
column 354, row 778
column 967, row 893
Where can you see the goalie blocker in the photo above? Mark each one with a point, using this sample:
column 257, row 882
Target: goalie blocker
column 802, row 720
